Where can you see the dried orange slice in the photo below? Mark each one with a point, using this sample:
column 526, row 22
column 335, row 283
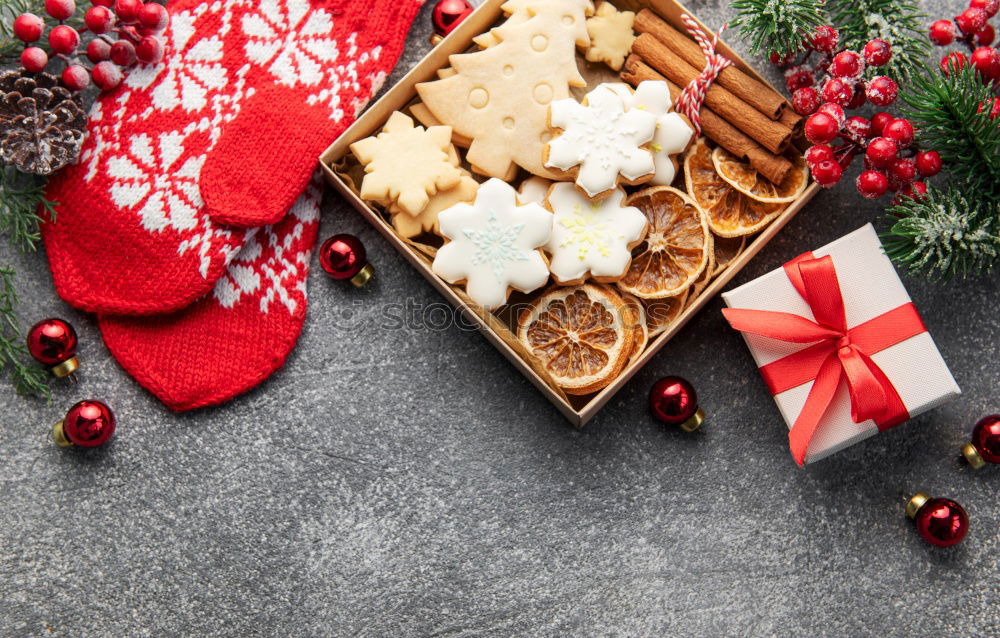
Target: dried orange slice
column 726, row 250
column 730, row 213
column 640, row 330
column 748, row 181
column 708, row 273
column 676, row 247
column 661, row 313
column 580, row 334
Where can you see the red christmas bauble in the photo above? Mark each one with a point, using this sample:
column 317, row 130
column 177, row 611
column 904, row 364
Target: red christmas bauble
column 87, row 424
column 940, row 521
column 448, row 14
column 52, row 342
column 984, row 447
column 343, row 257
column 674, row 401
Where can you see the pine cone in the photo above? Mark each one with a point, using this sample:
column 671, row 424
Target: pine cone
column 41, row 123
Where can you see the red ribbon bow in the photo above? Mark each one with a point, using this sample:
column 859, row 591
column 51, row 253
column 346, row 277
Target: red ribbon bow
column 837, row 351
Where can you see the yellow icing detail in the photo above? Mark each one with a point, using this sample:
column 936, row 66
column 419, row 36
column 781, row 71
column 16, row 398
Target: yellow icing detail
column 656, row 148
column 586, row 230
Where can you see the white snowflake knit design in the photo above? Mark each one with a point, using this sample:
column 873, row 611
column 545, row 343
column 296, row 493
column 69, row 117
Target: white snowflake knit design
column 494, row 245
column 603, row 139
column 275, row 262
column 291, row 40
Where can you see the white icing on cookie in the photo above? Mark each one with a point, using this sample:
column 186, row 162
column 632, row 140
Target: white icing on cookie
column 594, row 237
column 534, row 190
column 494, row 245
column 603, row 139
column 672, row 133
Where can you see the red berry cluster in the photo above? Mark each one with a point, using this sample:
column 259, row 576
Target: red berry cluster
column 125, row 32
column 971, row 28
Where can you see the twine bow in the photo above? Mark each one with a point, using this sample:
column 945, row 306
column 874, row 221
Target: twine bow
column 838, row 353
column 691, row 98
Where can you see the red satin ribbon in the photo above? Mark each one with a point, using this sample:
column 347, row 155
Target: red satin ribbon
column 838, row 352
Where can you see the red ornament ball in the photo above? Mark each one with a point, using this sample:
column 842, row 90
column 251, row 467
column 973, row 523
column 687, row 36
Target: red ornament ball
column 942, row 32
column 928, row 163
column 76, row 77
column 872, row 184
column 940, row 521
column 827, row 173
column 824, row 39
column 987, row 62
column 448, row 14
column 900, row 131
column 805, row 101
column 878, row 52
column 673, row 401
column 60, row 9
column 64, row 39
column 52, row 341
column 954, row 59
column 971, row 20
column 343, row 257
column 98, row 19
column 989, row 6
column 882, row 91
column 821, row 128
column 87, row 424
column 34, row 59
column 838, row 91
column 984, row 447
column 106, row 75
column 28, row 27
column 847, row 64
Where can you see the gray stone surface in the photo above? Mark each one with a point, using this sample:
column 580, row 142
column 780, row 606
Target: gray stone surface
column 409, row 482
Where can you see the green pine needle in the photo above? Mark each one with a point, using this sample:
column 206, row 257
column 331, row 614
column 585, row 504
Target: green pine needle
column 898, row 23
column 945, row 233
column 27, row 379
column 776, row 26
column 22, row 197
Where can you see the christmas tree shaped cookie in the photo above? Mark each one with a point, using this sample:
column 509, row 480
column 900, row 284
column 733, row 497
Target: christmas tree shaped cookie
column 499, row 97
column 494, row 245
column 519, row 11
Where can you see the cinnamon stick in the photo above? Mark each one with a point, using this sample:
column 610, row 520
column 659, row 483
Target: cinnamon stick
column 793, row 120
column 774, row 136
column 774, row 167
column 750, row 90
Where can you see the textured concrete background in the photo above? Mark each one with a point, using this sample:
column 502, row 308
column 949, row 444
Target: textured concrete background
column 409, row 482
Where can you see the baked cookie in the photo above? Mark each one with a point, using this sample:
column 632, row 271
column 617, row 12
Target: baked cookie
column 494, row 245
column 600, row 144
column 611, row 36
column 591, row 239
column 426, row 221
column 534, row 190
column 406, row 164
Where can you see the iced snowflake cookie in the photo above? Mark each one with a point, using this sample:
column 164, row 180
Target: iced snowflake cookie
column 426, row 221
column 406, row 164
column 601, row 144
column 534, row 190
column 673, row 133
column 591, row 238
column 611, row 36
column 494, row 245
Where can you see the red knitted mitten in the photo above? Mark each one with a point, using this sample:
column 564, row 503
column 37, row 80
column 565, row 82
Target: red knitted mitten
column 314, row 70
column 234, row 338
column 132, row 234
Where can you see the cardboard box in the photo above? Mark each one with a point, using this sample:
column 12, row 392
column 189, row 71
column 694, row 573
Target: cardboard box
column 496, row 327
column 870, row 287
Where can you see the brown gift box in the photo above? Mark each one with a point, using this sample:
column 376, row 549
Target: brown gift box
column 497, row 326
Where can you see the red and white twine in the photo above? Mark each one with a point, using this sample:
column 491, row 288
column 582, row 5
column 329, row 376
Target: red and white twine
column 691, row 98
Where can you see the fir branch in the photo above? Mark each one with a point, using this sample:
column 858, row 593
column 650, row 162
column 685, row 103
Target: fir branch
column 944, row 233
column 898, row 23
column 21, row 198
column 777, row 26
column 10, row 46
column 945, row 110
column 27, row 379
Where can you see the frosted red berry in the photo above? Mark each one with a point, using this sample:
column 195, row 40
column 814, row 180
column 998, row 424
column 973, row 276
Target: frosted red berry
column 798, row 80
column 805, row 101
column 858, row 128
column 106, row 75
column 75, row 77
column 103, row 3
column 154, row 17
column 859, row 98
column 881, row 152
column 98, row 19
column 824, row 39
column 128, row 10
column 955, row 59
column 903, row 170
column 34, row 59
column 819, row 153
column 971, row 20
column 847, row 64
column 60, row 9
column 28, row 27
column 928, row 163
column 992, row 105
column 877, row 52
column 123, row 53
column 872, row 184
column 837, row 91
column 913, row 190
column 879, row 122
column 64, row 39
column 827, row 173
column 149, row 50
column 882, row 91
column 821, row 128
column 985, row 36
column 989, row 6
column 987, row 62
column 97, row 50
column 835, row 111
column 942, row 32
column 782, row 60
column 900, row 131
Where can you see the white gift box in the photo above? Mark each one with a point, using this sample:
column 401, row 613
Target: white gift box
column 870, row 287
